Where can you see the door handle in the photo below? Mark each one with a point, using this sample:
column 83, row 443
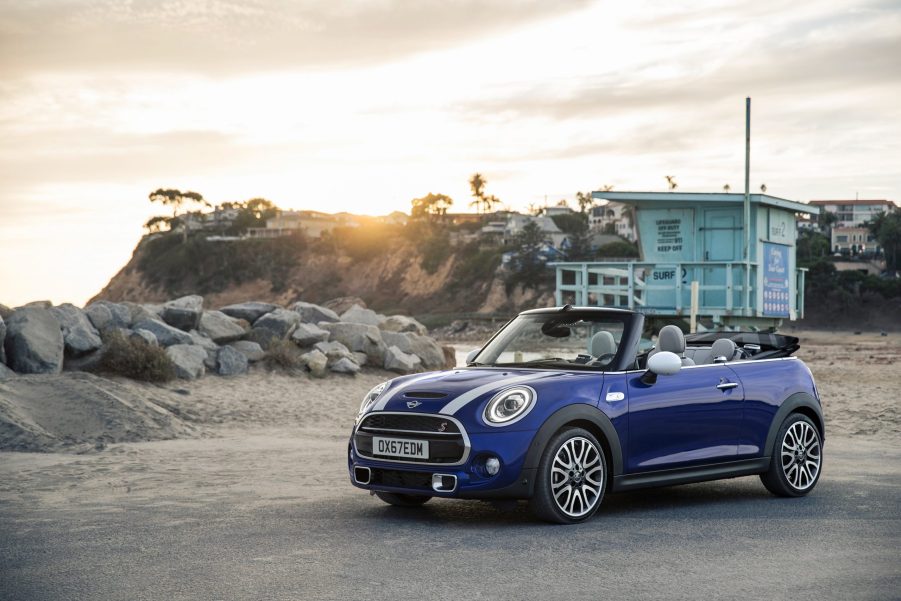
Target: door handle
column 727, row 385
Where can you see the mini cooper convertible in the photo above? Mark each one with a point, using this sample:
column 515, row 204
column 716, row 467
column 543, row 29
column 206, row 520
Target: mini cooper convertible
column 566, row 404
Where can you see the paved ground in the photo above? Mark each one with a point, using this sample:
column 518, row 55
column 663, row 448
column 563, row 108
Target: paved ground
column 271, row 516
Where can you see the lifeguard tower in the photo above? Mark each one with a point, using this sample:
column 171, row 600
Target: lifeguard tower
column 693, row 259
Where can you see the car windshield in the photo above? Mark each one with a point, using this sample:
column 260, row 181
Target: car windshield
column 555, row 340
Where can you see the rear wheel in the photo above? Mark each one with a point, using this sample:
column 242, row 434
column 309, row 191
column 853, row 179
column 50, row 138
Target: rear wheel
column 572, row 476
column 399, row 500
column 797, row 458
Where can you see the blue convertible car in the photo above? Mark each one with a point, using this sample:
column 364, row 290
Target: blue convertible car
column 564, row 405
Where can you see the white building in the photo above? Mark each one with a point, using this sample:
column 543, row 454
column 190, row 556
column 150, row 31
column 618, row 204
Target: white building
column 613, row 217
column 552, row 233
column 854, row 213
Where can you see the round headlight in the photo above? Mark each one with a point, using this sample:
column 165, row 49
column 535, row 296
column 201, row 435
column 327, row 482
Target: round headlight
column 509, row 405
column 372, row 395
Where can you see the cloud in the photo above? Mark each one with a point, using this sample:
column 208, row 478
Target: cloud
column 232, row 36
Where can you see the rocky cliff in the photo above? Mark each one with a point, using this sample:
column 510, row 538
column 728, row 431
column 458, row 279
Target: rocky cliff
column 394, row 274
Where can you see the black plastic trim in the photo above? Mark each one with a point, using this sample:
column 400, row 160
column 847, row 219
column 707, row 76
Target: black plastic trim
column 789, row 405
column 569, row 414
column 688, row 475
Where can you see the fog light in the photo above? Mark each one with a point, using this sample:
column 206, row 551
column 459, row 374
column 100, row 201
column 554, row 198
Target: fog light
column 492, row 465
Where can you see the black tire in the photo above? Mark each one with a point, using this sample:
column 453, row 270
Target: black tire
column 572, row 481
column 791, row 465
column 399, row 500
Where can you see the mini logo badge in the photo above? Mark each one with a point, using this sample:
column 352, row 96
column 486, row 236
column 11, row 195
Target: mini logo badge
column 413, row 404
column 442, row 427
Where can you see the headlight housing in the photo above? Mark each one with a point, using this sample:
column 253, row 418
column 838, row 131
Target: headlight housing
column 371, row 396
column 509, row 405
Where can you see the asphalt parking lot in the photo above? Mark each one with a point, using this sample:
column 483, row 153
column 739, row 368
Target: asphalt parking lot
column 283, row 523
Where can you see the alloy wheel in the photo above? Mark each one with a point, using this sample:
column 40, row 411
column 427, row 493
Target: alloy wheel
column 801, row 455
column 577, row 477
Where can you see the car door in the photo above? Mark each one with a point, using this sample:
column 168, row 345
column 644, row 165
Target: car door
column 690, row 418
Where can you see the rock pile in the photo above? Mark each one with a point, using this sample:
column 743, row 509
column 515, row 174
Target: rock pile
column 41, row 338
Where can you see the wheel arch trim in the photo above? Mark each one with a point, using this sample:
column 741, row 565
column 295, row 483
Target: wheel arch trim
column 573, row 414
column 800, row 402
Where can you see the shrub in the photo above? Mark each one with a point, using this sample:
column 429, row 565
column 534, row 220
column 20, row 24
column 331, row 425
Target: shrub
column 283, row 355
column 135, row 359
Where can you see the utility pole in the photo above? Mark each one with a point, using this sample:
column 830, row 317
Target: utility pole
column 747, row 219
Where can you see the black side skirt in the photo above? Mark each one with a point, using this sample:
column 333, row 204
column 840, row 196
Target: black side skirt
column 687, row 475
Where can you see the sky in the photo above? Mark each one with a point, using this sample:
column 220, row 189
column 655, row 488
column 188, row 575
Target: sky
column 362, row 106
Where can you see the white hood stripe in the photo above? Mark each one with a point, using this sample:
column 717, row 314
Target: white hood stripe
column 470, row 395
column 393, row 392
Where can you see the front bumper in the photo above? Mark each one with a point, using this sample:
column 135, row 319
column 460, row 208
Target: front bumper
column 513, row 480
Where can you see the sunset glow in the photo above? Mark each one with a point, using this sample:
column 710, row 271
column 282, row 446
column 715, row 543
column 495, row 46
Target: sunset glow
column 365, row 106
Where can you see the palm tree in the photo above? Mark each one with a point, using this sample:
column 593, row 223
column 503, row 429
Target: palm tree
column 671, row 182
column 483, row 201
column 727, row 188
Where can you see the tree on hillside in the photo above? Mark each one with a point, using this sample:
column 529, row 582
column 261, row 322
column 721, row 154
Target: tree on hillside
column 178, row 200
column 826, row 220
column 584, row 200
column 727, row 188
column 529, row 269
column 252, row 213
column 886, row 227
column 482, row 201
column 155, row 224
column 811, row 247
column 430, row 206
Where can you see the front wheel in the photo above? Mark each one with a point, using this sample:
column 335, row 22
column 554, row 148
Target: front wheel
column 399, row 500
column 797, row 458
column 571, row 479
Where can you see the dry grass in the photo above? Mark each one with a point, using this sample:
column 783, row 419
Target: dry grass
column 284, row 356
column 135, row 359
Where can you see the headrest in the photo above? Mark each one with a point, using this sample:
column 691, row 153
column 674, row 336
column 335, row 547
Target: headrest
column 723, row 347
column 602, row 343
column 671, row 339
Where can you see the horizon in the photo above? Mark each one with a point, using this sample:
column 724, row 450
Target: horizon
column 363, row 107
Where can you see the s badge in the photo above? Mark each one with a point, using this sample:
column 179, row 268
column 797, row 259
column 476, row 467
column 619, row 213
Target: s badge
column 615, row 396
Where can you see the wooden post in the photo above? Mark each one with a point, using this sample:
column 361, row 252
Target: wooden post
column 693, row 323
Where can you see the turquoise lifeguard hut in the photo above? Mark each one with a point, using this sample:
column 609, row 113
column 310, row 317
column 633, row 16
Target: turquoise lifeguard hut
column 697, row 240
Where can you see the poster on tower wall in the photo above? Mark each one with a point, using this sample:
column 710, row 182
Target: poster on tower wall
column 776, row 298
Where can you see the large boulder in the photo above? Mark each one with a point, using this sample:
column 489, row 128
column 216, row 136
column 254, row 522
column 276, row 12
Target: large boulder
column 427, row 349
column 336, row 351
column 316, row 362
column 403, row 323
column 310, row 313
column 279, row 322
column 401, row 362
column 106, row 315
column 308, row 334
column 165, row 334
column 6, row 372
column 231, row 362
column 2, row 338
column 145, row 336
column 5, row 311
column 345, row 366
column 251, row 311
column 359, row 337
column 79, row 334
column 220, row 328
column 188, row 359
column 34, row 341
column 358, row 314
column 253, row 351
column 184, row 313
column 142, row 312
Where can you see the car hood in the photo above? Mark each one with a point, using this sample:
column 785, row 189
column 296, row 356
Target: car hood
column 448, row 392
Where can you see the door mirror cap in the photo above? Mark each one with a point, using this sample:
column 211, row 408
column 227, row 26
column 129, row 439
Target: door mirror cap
column 471, row 356
column 664, row 363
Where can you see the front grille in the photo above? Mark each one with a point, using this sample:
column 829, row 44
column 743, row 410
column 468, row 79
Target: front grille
column 401, row 479
column 448, row 444
column 411, row 422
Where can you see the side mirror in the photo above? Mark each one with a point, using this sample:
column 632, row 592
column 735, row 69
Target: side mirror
column 471, row 356
column 663, row 363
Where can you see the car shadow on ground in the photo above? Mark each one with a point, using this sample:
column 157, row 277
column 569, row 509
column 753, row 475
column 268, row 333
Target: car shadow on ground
column 744, row 498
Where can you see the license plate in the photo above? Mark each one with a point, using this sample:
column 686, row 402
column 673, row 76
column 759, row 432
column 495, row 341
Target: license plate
column 399, row 447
